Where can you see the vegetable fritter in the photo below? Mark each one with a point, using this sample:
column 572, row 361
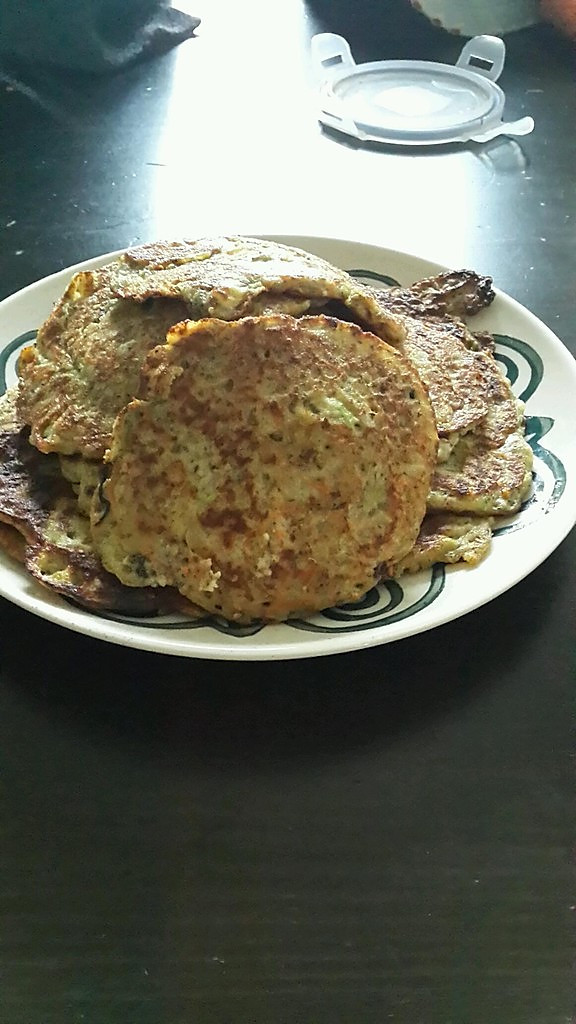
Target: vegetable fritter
column 86, row 362
column 268, row 467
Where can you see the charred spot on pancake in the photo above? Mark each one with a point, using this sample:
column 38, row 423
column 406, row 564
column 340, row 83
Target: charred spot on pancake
column 29, row 482
column 79, row 577
column 100, row 505
column 455, row 293
column 63, row 559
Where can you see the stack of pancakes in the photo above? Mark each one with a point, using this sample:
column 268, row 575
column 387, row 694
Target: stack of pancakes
column 233, row 426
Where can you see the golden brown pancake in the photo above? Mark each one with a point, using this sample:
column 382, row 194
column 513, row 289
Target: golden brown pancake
column 447, row 538
column 41, row 526
column 236, row 276
column 86, row 369
column 480, row 479
column 488, row 471
column 460, row 381
column 484, row 463
column 86, row 362
column 85, row 477
column 269, row 466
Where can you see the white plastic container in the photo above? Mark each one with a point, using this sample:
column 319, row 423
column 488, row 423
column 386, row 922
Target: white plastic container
column 414, row 103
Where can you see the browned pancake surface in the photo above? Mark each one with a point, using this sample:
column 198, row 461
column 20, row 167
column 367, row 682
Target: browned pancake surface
column 269, row 466
column 86, row 362
column 41, row 526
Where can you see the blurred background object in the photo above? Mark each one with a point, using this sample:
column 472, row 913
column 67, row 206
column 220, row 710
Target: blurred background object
column 562, row 14
column 94, row 36
column 479, row 17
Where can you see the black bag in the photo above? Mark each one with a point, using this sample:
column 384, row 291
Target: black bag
column 90, row 35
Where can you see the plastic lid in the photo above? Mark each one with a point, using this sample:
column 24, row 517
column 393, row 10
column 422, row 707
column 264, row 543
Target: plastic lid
column 415, row 102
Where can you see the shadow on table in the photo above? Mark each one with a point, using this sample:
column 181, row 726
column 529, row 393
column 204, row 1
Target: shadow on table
column 384, row 31
column 255, row 715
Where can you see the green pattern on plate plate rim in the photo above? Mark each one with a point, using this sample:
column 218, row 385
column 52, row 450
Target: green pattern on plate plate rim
column 391, row 602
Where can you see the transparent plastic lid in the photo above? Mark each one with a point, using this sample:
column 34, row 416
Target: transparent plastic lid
column 415, row 102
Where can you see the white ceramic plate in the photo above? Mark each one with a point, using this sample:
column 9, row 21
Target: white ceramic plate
column 543, row 374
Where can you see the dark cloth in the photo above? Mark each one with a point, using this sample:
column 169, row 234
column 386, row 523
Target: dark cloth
column 95, row 36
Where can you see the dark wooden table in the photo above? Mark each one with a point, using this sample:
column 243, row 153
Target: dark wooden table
column 384, row 835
